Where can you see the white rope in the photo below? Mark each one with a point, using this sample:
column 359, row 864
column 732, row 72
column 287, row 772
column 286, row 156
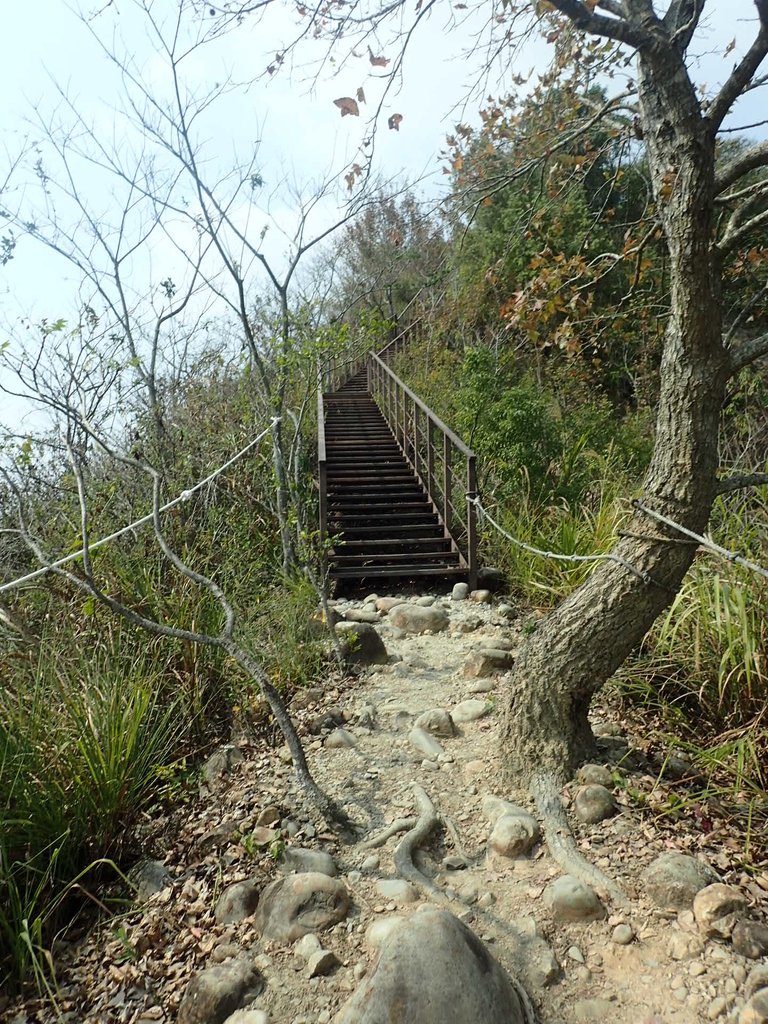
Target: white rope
column 184, row 496
column 554, row 554
column 705, row 542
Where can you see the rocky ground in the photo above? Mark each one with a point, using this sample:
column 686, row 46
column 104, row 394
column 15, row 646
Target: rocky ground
column 257, row 913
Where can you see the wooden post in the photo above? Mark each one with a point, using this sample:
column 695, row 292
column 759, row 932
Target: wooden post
column 447, row 452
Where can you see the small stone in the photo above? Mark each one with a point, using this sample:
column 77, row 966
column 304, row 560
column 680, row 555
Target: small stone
column 412, row 618
column 594, row 803
column 322, row 962
column 673, row 879
column 717, row 908
column 237, row 902
column 340, row 739
column 220, row 764
column 575, row 954
column 487, row 662
column 361, row 615
column 506, row 611
column 514, row 835
column 308, row 945
column 225, row 951
column 396, row 889
column 437, row 721
column 593, row 1011
column 371, row 862
column 717, row 1008
column 460, row 592
column 481, row 596
column 247, row 1017
column 594, row 775
column 570, row 900
column 268, row 816
column 386, row 604
column 482, row 686
column 299, row 860
column 149, row 877
column 622, row 935
column 470, row 711
column 425, row 602
column 757, row 980
column 541, row 965
column 756, row 1010
column 750, row 939
column 425, row 743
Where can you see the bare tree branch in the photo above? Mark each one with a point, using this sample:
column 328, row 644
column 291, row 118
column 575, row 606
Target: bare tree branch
column 739, row 79
column 740, row 482
column 753, row 158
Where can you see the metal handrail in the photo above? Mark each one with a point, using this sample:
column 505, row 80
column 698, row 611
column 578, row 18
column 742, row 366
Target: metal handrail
column 414, row 425
column 322, row 469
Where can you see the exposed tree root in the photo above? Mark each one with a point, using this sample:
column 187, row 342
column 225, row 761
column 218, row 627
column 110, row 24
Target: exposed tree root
column 426, row 822
column 397, row 826
column 561, row 844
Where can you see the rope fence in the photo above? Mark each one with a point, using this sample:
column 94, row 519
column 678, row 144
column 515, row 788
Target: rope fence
column 704, row 542
column 184, row 496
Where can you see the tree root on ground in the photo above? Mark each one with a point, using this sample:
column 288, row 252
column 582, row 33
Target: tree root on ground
column 404, row 863
column 397, row 826
column 561, row 843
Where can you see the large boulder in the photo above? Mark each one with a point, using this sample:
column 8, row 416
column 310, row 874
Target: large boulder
column 433, row 970
column 673, row 879
column 413, row 618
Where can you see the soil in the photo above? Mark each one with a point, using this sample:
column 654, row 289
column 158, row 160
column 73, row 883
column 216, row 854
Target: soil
column 135, row 966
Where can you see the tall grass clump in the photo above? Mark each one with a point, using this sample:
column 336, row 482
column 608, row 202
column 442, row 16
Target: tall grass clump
column 704, row 665
column 86, row 739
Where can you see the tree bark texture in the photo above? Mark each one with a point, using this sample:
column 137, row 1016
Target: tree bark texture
column 545, row 730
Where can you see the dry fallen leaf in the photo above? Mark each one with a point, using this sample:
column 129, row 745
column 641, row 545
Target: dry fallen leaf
column 347, row 105
column 377, row 62
column 360, row 95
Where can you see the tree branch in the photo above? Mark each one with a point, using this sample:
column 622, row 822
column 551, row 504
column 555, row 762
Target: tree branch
column 739, row 80
column 748, row 352
column 584, row 18
column 755, row 157
column 741, row 481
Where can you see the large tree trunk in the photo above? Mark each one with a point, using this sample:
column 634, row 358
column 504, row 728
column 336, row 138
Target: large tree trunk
column 545, row 730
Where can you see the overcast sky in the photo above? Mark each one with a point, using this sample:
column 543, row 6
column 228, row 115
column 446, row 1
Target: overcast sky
column 291, row 118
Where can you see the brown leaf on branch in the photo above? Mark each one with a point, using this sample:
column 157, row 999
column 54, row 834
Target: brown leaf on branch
column 729, row 47
column 347, row 105
column 377, row 62
column 360, row 95
column 394, row 122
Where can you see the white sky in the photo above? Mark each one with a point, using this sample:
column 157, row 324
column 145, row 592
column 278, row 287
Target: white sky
column 299, row 130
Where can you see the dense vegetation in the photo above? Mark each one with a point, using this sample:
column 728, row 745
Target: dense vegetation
column 533, row 304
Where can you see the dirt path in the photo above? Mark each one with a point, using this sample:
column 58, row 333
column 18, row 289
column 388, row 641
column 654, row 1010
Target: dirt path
column 642, row 965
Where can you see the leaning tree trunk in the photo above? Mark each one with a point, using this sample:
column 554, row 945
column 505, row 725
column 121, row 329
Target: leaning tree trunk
column 545, row 731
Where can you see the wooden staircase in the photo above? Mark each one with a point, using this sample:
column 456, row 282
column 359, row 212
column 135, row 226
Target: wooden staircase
column 375, row 511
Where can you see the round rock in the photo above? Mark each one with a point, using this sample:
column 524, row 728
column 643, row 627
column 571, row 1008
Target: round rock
column 571, row 900
column 594, row 775
column 361, row 643
column 673, row 879
column 594, row 803
column 488, row 661
column 750, row 939
column 292, row 906
column 217, row 992
column 470, row 711
column 425, row 743
column 237, row 902
column 301, row 861
column 514, row 835
column 412, row 618
column 437, row 721
column 460, row 592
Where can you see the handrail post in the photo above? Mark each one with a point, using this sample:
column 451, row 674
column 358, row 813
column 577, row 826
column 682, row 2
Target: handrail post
column 322, row 469
column 472, row 520
column 447, row 452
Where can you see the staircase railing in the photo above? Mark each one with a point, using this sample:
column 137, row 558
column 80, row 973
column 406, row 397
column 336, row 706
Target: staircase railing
column 322, row 467
column 446, row 467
